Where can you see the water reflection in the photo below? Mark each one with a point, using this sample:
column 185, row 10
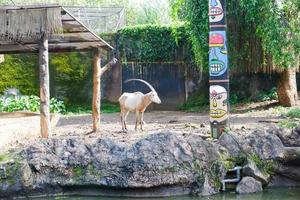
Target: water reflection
column 270, row 194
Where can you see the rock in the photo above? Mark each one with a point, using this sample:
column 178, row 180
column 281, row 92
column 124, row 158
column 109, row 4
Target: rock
column 292, row 155
column 281, row 181
column 164, row 163
column 267, row 146
column 230, row 142
column 289, row 138
column 252, row 170
column 289, row 171
column 248, row 185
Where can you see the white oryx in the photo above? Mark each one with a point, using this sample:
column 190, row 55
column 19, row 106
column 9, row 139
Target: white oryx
column 136, row 102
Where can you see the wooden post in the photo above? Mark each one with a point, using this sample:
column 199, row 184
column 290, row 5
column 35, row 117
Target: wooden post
column 44, row 88
column 96, row 90
column 218, row 68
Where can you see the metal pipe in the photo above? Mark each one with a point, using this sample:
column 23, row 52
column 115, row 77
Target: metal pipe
column 233, row 180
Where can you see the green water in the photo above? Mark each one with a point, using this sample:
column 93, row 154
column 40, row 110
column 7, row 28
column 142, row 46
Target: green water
column 269, row 194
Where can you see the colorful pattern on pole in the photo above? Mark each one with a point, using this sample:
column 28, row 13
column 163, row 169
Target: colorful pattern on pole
column 218, row 68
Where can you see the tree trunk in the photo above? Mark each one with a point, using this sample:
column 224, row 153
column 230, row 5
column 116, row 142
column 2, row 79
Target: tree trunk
column 44, row 88
column 287, row 88
column 96, row 90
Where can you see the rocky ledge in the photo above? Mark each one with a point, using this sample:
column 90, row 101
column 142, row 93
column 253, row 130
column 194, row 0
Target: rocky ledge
column 161, row 164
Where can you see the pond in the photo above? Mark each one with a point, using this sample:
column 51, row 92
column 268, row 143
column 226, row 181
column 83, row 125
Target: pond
column 268, row 194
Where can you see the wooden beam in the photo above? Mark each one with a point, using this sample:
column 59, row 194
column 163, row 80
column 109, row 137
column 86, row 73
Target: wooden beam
column 60, row 47
column 96, row 90
column 44, row 88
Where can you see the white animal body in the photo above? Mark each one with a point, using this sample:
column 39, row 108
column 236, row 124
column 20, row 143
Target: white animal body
column 136, row 102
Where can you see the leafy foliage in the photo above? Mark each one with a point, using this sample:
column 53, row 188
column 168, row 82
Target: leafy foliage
column 259, row 32
column 70, row 71
column 153, row 43
column 20, row 72
column 195, row 103
column 106, row 107
column 29, row 103
column 268, row 95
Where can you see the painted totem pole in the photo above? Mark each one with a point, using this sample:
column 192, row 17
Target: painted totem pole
column 218, row 68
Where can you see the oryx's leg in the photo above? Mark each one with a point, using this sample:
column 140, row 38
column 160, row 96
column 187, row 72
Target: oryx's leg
column 141, row 120
column 137, row 118
column 125, row 118
column 122, row 116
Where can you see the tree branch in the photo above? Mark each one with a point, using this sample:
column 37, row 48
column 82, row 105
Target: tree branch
column 114, row 62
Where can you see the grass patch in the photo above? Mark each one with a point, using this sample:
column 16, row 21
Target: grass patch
column 293, row 113
column 267, row 167
column 4, row 157
column 106, row 107
column 288, row 123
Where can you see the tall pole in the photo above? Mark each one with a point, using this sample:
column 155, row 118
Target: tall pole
column 218, row 68
column 96, row 90
column 44, row 88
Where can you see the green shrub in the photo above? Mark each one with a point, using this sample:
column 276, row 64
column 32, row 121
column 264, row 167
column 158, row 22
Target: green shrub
column 268, row 95
column 154, row 43
column 106, row 107
column 233, row 99
column 21, row 72
column 195, row 103
column 29, row 103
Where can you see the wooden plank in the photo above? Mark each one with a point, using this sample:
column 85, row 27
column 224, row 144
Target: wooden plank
column 60, row 47
column 96, row 90
column 44, row 88
column 72, row 26
column 73, row 37
column 52, row 5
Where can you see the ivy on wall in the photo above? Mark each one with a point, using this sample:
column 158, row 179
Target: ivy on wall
column 21, row 72
column 260, row 33
column 68, row 73
column 154, row 43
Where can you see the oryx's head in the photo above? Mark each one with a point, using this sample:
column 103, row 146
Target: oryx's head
column 153, row 94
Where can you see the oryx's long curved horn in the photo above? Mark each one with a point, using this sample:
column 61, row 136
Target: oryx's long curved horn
column 135, row 79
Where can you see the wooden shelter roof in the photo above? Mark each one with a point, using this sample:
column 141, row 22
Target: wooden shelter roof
column 76, row 36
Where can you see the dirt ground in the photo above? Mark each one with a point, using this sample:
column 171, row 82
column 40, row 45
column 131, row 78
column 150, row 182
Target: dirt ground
column 178, row 122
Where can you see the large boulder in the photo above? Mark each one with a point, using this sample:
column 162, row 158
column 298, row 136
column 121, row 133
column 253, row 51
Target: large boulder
column 231, row 143
column 267, row 146
column 289, row 138
column 282, row 181
column 163, row 163
column 248, row 185
column 289, row 171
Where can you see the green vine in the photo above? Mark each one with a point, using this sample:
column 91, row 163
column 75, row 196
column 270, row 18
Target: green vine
column 260, row 33
column 154, row 43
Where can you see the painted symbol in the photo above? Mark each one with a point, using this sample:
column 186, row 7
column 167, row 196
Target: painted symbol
column 218, row 53
column 216, row 12
column 218, row 103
